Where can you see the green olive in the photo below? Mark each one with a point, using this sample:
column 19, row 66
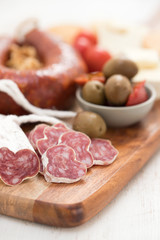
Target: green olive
column 121, row 66
column 93, row 91
column 117, row 89
column 90, row 123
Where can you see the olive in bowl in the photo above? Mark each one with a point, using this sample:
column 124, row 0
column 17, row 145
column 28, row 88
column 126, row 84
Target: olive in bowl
column 121, row 66
column 93, row 91
column 120, row 116
column 117, row 89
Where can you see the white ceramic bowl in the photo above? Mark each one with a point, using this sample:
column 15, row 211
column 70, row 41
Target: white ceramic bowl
column 120, row 116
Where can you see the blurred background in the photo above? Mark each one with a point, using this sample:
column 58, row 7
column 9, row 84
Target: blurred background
column 51, row 12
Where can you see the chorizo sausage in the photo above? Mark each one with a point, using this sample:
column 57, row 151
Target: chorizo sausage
column 51, row 86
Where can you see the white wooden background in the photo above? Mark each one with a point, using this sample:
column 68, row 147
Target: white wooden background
column 135, row 213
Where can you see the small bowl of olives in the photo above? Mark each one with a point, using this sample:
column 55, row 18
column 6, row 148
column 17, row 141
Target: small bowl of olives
column 116, row 115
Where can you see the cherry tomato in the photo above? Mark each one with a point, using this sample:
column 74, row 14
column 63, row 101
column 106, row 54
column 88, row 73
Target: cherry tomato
column 81, row 45
column 95, row 58
column 83, row 78
column 138, row 95
column 88, row 35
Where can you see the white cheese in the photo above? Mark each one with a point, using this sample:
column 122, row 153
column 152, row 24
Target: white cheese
column 118, row 37
column 144, row 58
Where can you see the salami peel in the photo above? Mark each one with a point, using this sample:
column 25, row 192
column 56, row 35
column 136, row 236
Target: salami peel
column 80, row 143
column 18, row 160
column 102, row 151
column 60, row 165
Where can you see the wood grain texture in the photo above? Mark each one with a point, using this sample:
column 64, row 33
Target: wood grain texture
column 70, row 205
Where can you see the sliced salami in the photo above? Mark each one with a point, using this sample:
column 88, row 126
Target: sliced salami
column 102, row 151
column 51, row 137
column 18, row 160
column 60, row 125
column 36, row 134
column 80, row 143
column 16, row 167
column 60, row 165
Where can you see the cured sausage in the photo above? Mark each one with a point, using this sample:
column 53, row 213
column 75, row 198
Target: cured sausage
column 18, row 160
column 36, row 134
column 60, row 165
column 62, row 125
column 102, row 151
column 11, row 88
column 51, row 86
column 80, row 143
column 43, row 136
column 51, row 138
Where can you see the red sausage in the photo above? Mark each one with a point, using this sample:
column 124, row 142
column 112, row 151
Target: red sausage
column 51, row 86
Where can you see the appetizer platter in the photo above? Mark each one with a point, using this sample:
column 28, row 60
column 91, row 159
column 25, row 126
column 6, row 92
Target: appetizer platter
column 88, row 127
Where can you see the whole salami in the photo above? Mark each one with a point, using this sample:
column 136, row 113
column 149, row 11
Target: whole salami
column 52, row 85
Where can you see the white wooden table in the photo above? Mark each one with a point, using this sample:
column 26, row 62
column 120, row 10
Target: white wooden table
column 135, row 212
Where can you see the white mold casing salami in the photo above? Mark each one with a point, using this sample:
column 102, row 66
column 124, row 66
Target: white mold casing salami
column 102, row 151
column 18, row 161
column 80, row 143
column 60, row 165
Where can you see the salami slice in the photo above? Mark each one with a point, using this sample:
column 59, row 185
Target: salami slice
column 51, row 137
column 80, row 143
column 102, row 151
column 16, row 167
column 36, row 134
column 60, row 165
column 60, row 125
column 18, row 161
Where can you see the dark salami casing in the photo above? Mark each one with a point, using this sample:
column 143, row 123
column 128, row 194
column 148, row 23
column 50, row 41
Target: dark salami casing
column 51, row 86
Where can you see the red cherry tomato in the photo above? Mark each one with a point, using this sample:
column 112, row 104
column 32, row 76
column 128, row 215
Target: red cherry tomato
column 84, row 78
column 95, row 58
column 81, row 45
column 88, row 35
column 138, row 95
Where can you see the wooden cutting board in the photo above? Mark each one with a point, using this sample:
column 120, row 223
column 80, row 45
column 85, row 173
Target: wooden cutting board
column 69, row 205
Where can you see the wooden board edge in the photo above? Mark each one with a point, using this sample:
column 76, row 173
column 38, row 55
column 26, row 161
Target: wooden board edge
column 18, row 207
column 73, row 215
